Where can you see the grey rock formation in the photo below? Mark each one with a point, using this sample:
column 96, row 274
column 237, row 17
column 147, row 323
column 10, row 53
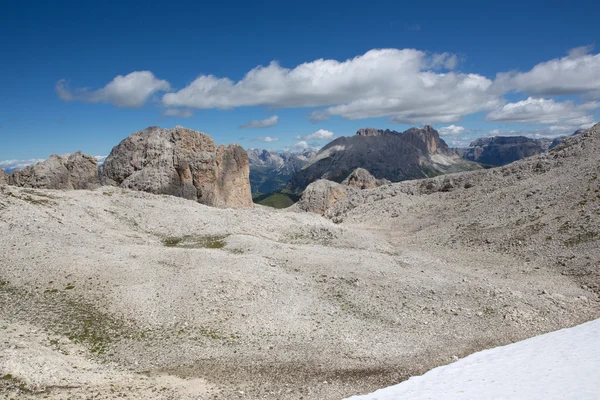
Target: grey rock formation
column 3, row 177
column 415, row 153
column 180, row 162
column 320, row 195
column 70, row 171
column 361, row 178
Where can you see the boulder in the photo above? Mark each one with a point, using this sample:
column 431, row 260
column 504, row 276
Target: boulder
column 180, row 162
column 69, row 171
column 360, row 178
column 321, row 195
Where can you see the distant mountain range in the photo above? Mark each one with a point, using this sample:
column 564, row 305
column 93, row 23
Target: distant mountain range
column 502, row 150
column 386, row 154
column 270, row 171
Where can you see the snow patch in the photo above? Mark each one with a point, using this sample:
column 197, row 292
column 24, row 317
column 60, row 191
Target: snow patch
column 559, row 365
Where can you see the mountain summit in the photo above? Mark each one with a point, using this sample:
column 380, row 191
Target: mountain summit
column 386, row 154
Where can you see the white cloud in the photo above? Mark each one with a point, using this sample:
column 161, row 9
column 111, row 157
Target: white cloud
column 11, row 165
column 100, row 159
column 494, row 132
column 321, row 134
column 178, row 112
column 300, row 146
column 266, row 139
column 264, row 123
column 451, row 130
column 382, row 82
column 131, row 90
column 544, row 111
column 577, row 73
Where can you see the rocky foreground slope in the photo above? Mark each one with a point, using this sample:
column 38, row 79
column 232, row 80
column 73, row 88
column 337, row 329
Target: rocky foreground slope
column 545, row 208
column 395, row 156
column 115, row 292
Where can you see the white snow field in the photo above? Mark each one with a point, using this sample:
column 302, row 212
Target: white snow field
column 559, row 365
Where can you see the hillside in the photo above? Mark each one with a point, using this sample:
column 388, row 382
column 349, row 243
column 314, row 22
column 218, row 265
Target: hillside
column 413, row 154
column 124, row 293
column 544, row 208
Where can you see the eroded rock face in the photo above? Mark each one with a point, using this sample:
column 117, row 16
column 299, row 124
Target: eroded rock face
column 3, row 177
column 396, row 156
column 71, row 171
column 180, row 162
column 360, row 178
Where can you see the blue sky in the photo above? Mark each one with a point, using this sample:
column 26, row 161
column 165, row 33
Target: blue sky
column 84, row 75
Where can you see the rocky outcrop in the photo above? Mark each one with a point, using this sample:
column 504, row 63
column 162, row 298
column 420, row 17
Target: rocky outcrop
column 320, row 195
column 180, row 162
column 360, row 178
column 3, row 177
column 415, row 153
column 70, row 171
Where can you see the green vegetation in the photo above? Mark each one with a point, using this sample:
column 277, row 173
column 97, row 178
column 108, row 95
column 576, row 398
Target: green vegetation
column 581, row 238
column 276, row 200
column 197, row 242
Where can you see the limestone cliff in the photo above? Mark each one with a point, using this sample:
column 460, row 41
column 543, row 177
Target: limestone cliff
column 180, row 162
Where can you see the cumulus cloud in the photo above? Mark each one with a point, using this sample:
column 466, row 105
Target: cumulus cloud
column 544, row 111
column 178, row 112
column 321, row 134
column 12, row 165
column 129, row 91
column 451, row 130
column 303, row 145
column 263, row 123
column 404, row 84
column 577, row 73
column 266, row 139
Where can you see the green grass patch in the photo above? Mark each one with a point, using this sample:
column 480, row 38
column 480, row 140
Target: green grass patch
column 581, row 238
column 197, row 242
column 276, row 200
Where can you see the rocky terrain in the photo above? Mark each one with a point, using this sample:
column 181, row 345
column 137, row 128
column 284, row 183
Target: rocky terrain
column 118, row 293
column 270, row 171
column 413, row 154
column 180, row 162
column 71, row 171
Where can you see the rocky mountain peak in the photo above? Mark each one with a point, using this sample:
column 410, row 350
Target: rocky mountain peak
column 369, row 132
